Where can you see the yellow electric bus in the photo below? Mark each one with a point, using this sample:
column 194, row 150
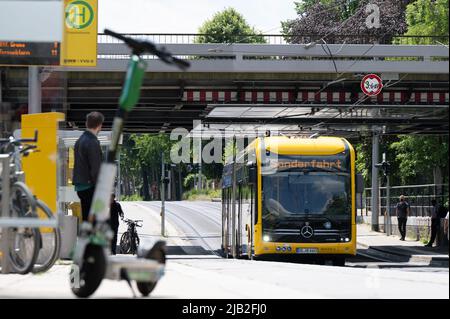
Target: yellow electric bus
column 290, row 195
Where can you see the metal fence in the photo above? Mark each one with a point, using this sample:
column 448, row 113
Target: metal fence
column 189, row 38
column 418, row 196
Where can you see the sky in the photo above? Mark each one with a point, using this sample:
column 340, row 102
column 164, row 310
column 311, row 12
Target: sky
column 186, row 16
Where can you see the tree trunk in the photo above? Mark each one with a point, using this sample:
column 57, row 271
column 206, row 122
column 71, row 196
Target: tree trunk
column 146, row 193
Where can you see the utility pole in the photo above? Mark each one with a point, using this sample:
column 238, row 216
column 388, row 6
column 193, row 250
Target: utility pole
column 200, row 186
column 384, row 165
column 179, row 182
column 388, row 210
column 163, row 195
column 169, row 183
column 375, row 186
column 233, row 203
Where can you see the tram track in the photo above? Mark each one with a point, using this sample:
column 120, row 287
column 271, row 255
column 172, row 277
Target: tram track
column 199, row 237
column 200, row 213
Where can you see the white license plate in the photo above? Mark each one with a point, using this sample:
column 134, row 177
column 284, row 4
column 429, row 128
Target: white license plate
column 307, row 250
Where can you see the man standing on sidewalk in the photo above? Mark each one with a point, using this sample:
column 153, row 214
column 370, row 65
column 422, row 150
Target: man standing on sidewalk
column 435, row 222
column 88, row 158
column 402, row 216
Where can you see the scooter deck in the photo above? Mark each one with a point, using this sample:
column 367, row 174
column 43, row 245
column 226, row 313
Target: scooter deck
column 138, row 269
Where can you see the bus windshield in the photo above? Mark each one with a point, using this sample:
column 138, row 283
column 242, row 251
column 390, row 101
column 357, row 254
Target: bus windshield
column 294, row 193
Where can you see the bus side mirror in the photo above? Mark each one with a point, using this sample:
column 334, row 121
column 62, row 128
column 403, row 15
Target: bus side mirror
column 359, row 184
column 252, row 175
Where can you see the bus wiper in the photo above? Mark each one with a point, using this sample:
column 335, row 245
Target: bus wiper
column 308, row 170
column 329, row 170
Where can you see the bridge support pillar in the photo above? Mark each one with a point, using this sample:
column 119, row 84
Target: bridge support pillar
column 34, row 90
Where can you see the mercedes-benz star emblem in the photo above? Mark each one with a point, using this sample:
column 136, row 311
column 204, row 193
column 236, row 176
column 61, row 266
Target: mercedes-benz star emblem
column 307, row 231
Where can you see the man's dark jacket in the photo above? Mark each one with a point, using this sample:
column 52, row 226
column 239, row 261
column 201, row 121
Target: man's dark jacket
column 88, row 157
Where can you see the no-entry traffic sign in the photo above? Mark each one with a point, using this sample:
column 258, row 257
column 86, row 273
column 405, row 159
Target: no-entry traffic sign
column 371, row 85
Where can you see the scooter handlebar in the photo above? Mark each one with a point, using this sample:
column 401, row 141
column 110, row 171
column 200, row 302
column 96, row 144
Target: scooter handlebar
column 140, row 47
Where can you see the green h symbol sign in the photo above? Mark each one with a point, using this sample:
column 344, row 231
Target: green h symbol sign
column 82, row 14
column 79, row 14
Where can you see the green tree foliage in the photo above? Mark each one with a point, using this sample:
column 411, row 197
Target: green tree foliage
column 339, row 18
column 228, row 26
column 364, row 159
column 418, row 156
column 130, row 166
column 149, row 148
column 141, row 162
column 428, row 18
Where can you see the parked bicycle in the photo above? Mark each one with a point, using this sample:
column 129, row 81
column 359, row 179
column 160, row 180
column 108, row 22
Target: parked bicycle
column 129, row 241
column 29, row 250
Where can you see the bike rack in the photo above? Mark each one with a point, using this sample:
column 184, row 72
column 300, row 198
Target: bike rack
column 6, row 222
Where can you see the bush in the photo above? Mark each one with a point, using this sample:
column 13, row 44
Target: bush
column 131, row 198
column 204, row 194
column 190, row 178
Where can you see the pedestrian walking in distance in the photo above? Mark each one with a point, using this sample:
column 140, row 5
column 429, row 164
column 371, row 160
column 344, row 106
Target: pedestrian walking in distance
column 88, row 158
column 402, row 216
column 116, row 211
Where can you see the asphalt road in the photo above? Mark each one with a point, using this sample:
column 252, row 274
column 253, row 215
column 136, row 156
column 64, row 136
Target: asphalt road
column 200, row 223
column 195, row 270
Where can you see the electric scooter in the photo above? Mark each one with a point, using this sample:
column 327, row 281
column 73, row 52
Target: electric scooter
column 92, row 261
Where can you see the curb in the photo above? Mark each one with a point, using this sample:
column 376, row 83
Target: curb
column 437, row 261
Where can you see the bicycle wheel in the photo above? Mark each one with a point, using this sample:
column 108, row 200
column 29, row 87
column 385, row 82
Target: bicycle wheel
column 125, row 243
column 50, row 242
column 136, row 243
column 25, row 241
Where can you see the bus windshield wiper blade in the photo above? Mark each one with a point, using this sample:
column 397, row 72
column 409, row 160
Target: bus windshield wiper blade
column 309, row 170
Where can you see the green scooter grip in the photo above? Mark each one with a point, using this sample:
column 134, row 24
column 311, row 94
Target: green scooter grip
column 133, row 82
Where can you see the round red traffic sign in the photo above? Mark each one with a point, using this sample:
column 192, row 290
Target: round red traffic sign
column 371, row 84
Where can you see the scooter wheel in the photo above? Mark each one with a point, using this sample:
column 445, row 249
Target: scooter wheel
column 91, row 272
column 158, row 253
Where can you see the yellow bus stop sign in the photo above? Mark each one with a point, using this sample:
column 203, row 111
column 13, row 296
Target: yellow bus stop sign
column 79, row 46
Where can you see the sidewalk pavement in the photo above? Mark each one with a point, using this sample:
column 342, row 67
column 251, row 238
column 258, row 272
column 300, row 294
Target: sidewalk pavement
column 392, row 248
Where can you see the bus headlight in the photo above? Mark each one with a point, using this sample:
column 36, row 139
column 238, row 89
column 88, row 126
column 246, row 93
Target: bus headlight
column 266, row 238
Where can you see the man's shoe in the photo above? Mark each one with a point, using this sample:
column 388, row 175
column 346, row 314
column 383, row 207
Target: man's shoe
column 428, row 245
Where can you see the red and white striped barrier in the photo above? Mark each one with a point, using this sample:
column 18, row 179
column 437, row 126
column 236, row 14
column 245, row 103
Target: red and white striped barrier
column 328, row 97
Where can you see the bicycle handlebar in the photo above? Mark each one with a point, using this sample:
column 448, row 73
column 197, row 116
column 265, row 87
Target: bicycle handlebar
column 18, row 141
column 132, row 221
column 139, row 47
column 5, row 142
